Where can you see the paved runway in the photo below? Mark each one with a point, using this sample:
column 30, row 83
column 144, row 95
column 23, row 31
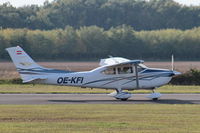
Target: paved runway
column 95, row 99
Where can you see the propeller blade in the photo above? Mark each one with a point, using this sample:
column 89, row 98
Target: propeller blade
column 172, row 63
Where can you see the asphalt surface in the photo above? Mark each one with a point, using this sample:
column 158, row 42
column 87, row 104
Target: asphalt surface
column 95, row 99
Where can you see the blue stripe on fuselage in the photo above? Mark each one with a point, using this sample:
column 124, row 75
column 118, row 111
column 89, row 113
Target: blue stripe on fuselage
column 156, row 71
column 41, row 70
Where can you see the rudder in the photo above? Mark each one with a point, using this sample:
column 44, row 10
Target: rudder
column 21, row 59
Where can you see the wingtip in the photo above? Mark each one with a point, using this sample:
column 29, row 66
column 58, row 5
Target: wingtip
column 12, row 47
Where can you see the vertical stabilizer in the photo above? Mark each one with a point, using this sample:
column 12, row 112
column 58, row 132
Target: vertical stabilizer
column 21, row 59
column 25, row 64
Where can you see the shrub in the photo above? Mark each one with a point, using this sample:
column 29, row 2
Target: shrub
column 192, row 77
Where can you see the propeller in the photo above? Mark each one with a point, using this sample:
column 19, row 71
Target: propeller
column 172, row 66
column 172, row 63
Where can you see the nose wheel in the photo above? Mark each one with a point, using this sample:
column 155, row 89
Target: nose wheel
column 155, row 99
column 125, row 99
column 154, row 95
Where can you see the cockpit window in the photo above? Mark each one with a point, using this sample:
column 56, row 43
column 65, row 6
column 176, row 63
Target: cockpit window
column 110, row 71
column 125, row 70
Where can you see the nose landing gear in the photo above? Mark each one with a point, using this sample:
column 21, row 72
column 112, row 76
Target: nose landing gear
column 154, row 95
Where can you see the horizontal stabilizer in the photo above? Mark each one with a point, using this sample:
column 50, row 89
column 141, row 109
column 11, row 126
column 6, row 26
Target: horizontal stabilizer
column 33, row 78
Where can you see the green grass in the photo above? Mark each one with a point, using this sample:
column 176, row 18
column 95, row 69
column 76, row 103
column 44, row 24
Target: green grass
column 29, row 88
column 87, row 118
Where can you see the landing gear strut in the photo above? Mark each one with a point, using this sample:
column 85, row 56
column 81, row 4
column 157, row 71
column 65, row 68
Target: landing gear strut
column 154, row 95
column 122, row 95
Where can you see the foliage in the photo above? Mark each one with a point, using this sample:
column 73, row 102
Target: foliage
column 11, row 81
column 91, row 43
column 140, row 14
column 191, row 77
column 92, row 29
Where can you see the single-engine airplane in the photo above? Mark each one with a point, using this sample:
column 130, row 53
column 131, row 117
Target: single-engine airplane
column 113, row 73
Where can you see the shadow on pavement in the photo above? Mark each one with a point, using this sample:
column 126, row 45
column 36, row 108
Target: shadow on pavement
column 161, row 101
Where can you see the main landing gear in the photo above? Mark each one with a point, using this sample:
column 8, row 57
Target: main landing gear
column 154, row 95
column 121, row 95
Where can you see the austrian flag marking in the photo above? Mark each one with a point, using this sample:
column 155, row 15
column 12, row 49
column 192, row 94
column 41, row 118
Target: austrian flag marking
column 19, row 52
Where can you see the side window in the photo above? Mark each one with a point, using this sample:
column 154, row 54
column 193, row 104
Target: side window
column 128, row 69
column 109, row 71
column 125, row 70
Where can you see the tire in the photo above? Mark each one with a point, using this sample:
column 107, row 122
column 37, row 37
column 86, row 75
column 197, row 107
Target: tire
column 125, row 99
column 155, row 99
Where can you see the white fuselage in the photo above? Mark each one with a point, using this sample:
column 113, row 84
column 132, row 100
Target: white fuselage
column 115, row 73
column 148, row 79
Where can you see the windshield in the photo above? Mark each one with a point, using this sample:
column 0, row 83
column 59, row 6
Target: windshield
column 143, row 66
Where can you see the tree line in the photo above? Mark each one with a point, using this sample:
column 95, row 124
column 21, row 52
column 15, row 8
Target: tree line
column 91, row 43
column 140, row 14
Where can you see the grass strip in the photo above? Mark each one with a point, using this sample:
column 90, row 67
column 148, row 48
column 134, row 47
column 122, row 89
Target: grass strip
column 46, row 89
column 90, row 118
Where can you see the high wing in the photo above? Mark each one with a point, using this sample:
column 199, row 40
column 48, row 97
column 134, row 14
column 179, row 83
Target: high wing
column 118, row 61
column 130, row 62
column 112, row 61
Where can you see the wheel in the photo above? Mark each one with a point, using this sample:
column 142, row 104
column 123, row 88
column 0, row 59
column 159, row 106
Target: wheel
column 155, row 99
column 125, row 99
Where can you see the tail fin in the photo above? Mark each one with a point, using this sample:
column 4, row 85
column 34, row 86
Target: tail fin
column 24, row 64
column 21, row 59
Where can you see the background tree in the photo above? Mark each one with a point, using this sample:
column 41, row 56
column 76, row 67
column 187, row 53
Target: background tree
column 140, row 14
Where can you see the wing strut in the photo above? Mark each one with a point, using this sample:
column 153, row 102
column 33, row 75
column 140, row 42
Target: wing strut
column 136, row 75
